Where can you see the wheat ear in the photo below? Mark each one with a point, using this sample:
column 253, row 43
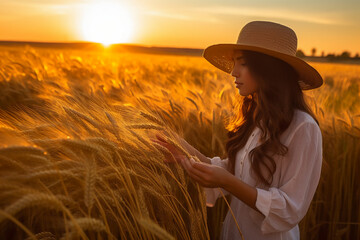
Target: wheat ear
column 29, row 200
column 152, row 118
column 154, row 228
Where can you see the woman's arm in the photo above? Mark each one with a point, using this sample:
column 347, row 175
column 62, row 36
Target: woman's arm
column 190, row 149
column 215, row 176
column 194, row 151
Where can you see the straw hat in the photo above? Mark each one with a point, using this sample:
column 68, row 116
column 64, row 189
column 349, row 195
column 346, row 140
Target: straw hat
column 270, row 38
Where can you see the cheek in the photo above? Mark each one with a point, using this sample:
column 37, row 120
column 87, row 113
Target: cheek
column 250, row 80
column 254, row 84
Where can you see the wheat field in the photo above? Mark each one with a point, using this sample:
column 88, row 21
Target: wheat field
column 77, row 162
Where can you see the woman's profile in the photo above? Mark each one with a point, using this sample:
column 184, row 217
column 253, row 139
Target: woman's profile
column 274, row 151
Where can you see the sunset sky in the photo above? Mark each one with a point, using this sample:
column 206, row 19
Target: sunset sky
column 330, row 26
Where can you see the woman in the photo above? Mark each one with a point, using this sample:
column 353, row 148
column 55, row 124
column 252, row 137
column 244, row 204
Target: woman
column 275, row 149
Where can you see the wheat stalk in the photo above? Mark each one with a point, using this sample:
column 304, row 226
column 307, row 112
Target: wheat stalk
column 178, row 147
column 141, row 198
column 10, row 162
column 38, row 199
column 52, row 173
column 152, row 118
column 232, row 213
column 4, row 215
column 145, row 126
column 193, row 102
column 90, row 183
column 115, row 126
column 85, row 223
column 43, row 236
column 151, row 190
column 194, row 223
column 142, row 140
column 21, row 150
column 164, row 150
column 154, row 228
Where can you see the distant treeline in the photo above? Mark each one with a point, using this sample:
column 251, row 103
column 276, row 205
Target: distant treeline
column 344, row 56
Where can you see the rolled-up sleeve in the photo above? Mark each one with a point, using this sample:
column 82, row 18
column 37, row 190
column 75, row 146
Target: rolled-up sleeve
column 285, row 206
column 212, row 194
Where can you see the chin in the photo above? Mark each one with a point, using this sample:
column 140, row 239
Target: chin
column 242, row 93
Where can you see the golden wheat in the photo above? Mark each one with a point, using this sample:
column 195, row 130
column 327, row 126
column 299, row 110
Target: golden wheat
column 58, row 109
column 154, row 228
column 43, row 236
column 39, row 199
column 152, row 118
column 90, row 183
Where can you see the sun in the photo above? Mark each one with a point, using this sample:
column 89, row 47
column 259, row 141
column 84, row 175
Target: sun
column 107, row 22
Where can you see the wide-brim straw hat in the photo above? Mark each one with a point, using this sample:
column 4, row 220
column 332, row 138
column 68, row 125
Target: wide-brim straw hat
column 270, row 38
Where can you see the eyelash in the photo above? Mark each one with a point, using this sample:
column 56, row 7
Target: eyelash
column 243, row 64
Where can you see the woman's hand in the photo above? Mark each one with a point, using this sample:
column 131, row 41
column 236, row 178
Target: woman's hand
column 175, row 156
column 207, row 175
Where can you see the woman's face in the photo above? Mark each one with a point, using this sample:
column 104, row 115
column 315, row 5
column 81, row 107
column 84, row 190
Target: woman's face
column 244, row 81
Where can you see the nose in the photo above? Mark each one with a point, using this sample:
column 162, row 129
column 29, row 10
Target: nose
column 237, row 68
column 235, row 71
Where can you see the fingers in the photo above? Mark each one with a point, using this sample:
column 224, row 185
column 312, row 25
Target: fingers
column 172, row 155
column 198, row 179
column 157, row 141
column 191, row 170
column 161, row 138
column 203, row 167
column 164, row 144
column 168, row 161
column 172, row 149
column 180, row 158
column 169, row 146
column 161, row 141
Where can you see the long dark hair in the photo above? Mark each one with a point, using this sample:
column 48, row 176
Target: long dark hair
column 271, row 109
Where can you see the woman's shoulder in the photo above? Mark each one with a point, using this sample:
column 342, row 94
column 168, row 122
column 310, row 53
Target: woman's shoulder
column 300, row 119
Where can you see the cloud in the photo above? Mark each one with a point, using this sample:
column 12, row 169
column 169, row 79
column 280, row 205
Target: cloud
column 13, row 9
column 181, row 16
column 271, row 12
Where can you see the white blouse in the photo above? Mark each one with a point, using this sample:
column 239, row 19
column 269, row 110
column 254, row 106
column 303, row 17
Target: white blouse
column 288, row 198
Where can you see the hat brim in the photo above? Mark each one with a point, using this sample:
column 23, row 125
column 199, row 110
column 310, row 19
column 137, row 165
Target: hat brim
column 221, row 56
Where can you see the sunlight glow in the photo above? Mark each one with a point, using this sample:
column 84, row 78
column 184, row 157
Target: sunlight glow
column 107, row 22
